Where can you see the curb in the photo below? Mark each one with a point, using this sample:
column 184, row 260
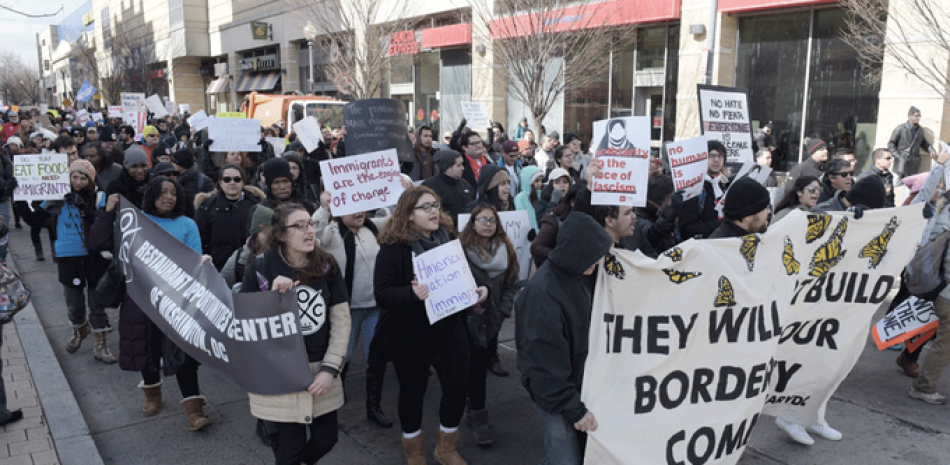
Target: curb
column 68, row 428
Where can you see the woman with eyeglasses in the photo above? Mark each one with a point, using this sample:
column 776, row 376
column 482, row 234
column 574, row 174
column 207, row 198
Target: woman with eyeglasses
column 222, row 215
column 296, row 264
column 417, row 226
column 803, row 196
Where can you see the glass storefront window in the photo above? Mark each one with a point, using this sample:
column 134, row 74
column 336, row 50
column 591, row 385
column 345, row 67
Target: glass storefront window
column 672, row 72
column 427, row 90
column 651, row 48
column 583, row 106
column 400, row 69
column 621, row 92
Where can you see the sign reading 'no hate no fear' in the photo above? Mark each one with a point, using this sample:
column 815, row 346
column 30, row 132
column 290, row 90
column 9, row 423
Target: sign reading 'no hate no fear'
column 363, row 182
column 724, row 116
column 623, row 147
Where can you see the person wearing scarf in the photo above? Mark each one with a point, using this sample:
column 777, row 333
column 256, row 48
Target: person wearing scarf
column 700, row 215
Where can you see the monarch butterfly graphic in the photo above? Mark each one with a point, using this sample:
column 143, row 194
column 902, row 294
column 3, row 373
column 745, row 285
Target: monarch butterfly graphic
column 817, row 225
column 830, row 253
column 750, row 243
column 680, row 277
column 726, row 296
column 613, row 266
column 675, row 254
column 877, row 248
column 792, row 266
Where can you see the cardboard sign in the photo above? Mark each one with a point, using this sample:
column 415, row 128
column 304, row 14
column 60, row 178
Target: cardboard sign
column 234, row 135
column 41, row 176
column 517, row 226
column 476, row 114
column 688, row 163
column 362, row 182
column 308, row 133
column 115, row 111
column 377, row 124
column 444, row 270
column 912, row 317
column 198, row 121
column 278, row 143
column 623, row 146
column 185, row 108
column 156, row 106
column 724, row 116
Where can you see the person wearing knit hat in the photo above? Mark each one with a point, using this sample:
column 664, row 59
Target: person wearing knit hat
column 747, row 209
column 83, row 167
column 280, row 188
column 164, row 168
column 135, row 155
column 816, row 155
column 183, row 159
column 454, row 192
column 150, row 138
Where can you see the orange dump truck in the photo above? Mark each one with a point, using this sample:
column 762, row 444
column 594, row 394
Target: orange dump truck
column 288, row 109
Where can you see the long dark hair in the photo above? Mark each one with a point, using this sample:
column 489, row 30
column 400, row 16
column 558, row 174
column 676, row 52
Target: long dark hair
column 471, row 240
column 319, row 261
column 397, row 228
column 564, row 208
column 154, row 190
column 791, row 198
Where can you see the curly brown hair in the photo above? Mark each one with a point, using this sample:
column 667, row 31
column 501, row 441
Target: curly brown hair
column 471, row 240
column 397, row 229
column 319, row 261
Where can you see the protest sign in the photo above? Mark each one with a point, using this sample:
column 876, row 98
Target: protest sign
column 308, row 133
column 184, row 108
column 230, row 114
column 198, row 121
column 136, row 119
column 82, row 116
column 362, row 182
column 517, row 226
column 44, row 107
column 688, row 163
column 755, row 171
column 623, row 146
column 444, row 270
column 476, row 114
column 253, row 340
column 278, row 144
column 156, row 106
column 170, row 107
column 41, row 176
column 717, row 332
column 377, row 124
column 133, row 102
column 115, row 111
column 724, row 116
column 97, row 117
column 234, row 134
column 912, row 317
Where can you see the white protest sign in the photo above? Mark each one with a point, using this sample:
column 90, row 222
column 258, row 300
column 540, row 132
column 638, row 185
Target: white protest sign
column 136, row 119
column 688, row 163
column 277, row 143
column 41, row 176
column 132, row 105
column 724, row 116
column 82, row 116
column 308, row 133
column 170, row 107
column 198, row 121
column 185, row 108
column 234, row 134
column 115, row 111
column 912, row 317
column 97, row 117
column 156, row 106
column 362, row 182
column 755, row 171
column 44, row 107
column 476, row 114
column 444, row 270
column 517, row 226
column 623, row 146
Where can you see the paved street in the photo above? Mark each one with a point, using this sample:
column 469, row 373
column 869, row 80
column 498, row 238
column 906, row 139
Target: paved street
column 880, row 423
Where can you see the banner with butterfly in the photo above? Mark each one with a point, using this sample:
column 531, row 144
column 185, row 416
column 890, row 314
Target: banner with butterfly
column 688, row 350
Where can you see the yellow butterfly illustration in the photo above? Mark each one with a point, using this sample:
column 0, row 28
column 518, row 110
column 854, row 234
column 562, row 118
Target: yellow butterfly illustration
column 680, row 277
column 613, row 266
column 675, row 254
column 877, row 248
column 792, row 266
column 726, row 296
column 817, row 225
column 830, row 253
column 750, row 243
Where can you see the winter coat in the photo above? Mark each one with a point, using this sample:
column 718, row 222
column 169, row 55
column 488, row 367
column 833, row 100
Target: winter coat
column 834, row 204
column 7, row 182
column 523, row 199
column 905, row 144
column 422, row 166
column 454, row 194
column 809, row 167
column 468, row 173
column 128, row 187
column 193, row 183
column 886, row 177
column 328, row 233
column 223, row 223
column 544, row 243
column 106, row 175
column 488, row 171
column 728, row 229
column 553, row 324
column 233, row 270
column 699, row 216
column 298, row 407
column 501, row 296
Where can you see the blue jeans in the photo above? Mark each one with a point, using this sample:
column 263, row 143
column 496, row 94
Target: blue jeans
column 362, row 323
column 563, row 445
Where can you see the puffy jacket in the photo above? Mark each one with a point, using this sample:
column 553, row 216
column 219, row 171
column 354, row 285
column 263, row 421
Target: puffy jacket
column 223, row 223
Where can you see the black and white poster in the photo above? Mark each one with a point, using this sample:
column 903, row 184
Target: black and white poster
column 724, row 116
column 374, row 125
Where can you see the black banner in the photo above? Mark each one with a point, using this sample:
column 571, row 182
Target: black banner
column 377, row 124
column 253, row 340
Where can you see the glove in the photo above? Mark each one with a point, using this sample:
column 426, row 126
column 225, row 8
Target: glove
column 858, row 211
column 672, row 210
column 207, row 143
column 462, row 125
column 556, row 195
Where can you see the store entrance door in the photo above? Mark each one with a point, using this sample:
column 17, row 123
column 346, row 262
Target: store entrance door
column 648, row 101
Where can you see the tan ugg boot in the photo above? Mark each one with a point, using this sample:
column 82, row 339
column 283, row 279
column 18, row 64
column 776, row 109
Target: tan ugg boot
column 194, row 411
column 101, row 349
column 79, row 333
column 153, row 398
column 445, row 452
column 415, row 450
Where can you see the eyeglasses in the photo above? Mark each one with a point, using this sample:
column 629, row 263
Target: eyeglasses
column 229, row 179
column 486, row 221
column 428, row 207
column 812, row 189
column 301, row 226
column 845, row 174
column 888, row 158
column 716, row 155
column 170, row 174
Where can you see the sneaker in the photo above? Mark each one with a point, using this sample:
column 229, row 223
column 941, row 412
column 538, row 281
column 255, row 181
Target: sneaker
column 825, row 431
column 931, row 398
column 795, row 431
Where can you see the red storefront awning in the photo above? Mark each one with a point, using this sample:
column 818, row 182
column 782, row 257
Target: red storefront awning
column 739, row 6
column 447, row 36
column 607, row 14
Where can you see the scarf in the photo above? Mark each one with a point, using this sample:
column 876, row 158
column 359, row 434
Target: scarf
column 424, row 244
column 495, row 264
column 717, row 187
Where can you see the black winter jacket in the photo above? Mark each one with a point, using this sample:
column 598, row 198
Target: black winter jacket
column 455, row 194
column 809, row 167
column 700, row 219
column 223, row 223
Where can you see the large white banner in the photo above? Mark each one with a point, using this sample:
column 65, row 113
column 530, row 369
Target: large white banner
column 687, row 351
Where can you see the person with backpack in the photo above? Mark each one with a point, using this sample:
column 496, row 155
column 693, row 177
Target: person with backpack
column 192, row 181
column 222, row 215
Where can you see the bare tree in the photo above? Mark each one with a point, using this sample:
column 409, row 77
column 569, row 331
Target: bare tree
column 912, row 34
column 19, row 82
column 526, row 36
column 122, row 63
column 361, row 31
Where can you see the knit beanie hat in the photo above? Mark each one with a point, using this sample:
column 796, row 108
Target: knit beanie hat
column 84, row 167
column 135, row 155
column 107, row 134
column 260, row 219
column 500, row 177
column 745, row 197
column 149, row 130
column 867, row 191
column 523, row 144
column 814, row 145
column 276, row 168
column 163, row 168
column 184, row 159
column 444, row 159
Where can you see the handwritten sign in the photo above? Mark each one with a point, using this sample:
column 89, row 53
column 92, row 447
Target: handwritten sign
column 41, row 177
column 185, row 108
column 362, row 182
column 517, row 226
column 234, row 135
column 688, row 162
column 82, row 116
column 278, row 144
column 198, row 121
column 115, row 111
column 97, row 117
column 724, row 116
column 912, row 317
column 377, row 124
column 156, row 106
column 170, row 107
column 444, row 270
column 623, row 145
column 308, row 133
column 476, row 113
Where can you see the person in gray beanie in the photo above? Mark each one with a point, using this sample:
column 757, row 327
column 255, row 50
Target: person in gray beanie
column 454, row 192
column 131, row 182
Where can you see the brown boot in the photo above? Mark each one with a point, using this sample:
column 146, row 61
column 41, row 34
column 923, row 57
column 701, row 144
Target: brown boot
column 445, row 452
column 79, row 333
column 153, row 398
column 415, row 450
column 194, row 411
column 101, row 348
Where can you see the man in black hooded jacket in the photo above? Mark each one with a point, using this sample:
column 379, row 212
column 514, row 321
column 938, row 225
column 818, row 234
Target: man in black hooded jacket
column 454, row 192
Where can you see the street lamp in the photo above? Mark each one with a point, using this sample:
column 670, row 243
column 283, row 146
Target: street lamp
column 310, row 33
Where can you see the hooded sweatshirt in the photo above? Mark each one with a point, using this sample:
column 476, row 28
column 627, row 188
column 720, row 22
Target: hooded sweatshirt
column 488, row 172
column 554, row 319
column 523, row 199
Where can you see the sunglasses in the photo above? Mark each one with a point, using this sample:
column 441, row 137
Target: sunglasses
column 229, row 179
column 812, row 189
column 847, row 174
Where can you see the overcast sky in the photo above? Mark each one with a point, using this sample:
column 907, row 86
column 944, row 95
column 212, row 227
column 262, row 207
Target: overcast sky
column 18, row 33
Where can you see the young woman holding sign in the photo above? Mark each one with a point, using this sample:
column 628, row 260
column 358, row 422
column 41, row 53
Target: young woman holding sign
column 295, row 263
column 419, row 225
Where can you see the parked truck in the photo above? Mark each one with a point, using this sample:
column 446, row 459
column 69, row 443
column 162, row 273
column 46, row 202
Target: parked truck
column 288, row 109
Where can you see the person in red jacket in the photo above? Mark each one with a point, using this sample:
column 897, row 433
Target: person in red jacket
column 11, row 127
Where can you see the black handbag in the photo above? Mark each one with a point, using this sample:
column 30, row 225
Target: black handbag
column 476, row 323
column 110, row 290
